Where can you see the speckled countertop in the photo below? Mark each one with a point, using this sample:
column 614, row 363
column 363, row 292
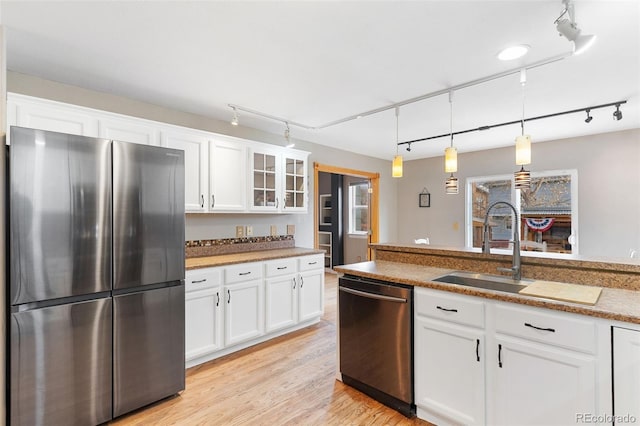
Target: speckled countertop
column 613, row 304
column 252, row 256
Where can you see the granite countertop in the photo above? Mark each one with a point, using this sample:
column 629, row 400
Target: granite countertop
column 251, row 256
column 613, row 304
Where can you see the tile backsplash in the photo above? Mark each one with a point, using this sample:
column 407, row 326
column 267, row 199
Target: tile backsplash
column 200, row 248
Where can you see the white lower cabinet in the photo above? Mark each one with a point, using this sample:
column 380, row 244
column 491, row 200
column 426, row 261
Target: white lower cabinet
column 232, row 307
column 626, row 374
column 532, row 366
column 243, row 313
column 534, row 384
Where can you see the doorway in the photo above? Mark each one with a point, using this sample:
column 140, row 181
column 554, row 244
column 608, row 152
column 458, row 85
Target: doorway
column 346, row 213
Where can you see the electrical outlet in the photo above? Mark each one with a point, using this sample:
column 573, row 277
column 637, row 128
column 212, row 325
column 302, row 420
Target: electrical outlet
column 239, row 231
column 249, row 230
column 274, row 230
column 291, row 229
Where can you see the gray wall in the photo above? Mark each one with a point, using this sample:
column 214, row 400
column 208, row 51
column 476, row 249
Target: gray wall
column 608, row 168
column 207, row 226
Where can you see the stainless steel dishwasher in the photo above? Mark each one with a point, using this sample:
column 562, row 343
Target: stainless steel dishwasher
column 376, row 340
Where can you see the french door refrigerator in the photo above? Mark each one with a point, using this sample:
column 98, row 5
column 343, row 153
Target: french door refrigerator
column 96, row 275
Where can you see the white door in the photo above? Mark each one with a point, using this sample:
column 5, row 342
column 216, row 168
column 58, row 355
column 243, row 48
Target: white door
column 282, row 302
column 244, row 311
column 535, row 384
column 449, row 371
column 195, row 147
column 203, row 322
column 310, row 295
column 128, row 130
column 227, row 176
column 626, row 372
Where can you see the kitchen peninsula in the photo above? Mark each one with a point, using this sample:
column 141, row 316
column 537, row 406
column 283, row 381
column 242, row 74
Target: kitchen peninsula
column 509, row 352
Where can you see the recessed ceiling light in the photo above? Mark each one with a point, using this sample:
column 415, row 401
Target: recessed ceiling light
column 513, row 52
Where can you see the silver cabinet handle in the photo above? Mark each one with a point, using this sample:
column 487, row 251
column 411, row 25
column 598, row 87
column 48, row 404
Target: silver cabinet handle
column 198, row 281
column 281, row 267
column 312, row 263
column 229, row 296
column 202, row 203
column 213, row 201
column 217, row 298
column 244, row 273
column 301, row 282
column 284, row 206
column 294, row 283
column 277, row 202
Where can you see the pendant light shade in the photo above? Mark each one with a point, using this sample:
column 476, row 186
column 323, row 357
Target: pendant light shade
column 450, row 159
column 522, row 179
column 451, row 185
column 523, row 150
column 396, row 168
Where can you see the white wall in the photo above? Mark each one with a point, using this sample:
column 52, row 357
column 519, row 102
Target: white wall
column 223, row 225
column 608, row 168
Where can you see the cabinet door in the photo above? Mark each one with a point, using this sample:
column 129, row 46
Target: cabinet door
column 265, row 181
column 626, row 372
column 535, row 384
column 295, row 183
column 243, row 314
column 56, row 118
column 227, row 176
column 311, row 295
column 128, row 130
column 203, row 322
column 282, row 303
column 449, row 372
column 195, row 149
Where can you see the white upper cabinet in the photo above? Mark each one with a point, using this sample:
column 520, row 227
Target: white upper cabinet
column 129, row 130
column 295, row 182
column 34, row 113
column 196, row 152
column 227, row 175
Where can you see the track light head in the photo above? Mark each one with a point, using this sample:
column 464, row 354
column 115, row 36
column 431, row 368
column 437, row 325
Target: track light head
column 589, row 117
column 569, row 29
column 409, row 147
column 617, row 114
column 234, row 121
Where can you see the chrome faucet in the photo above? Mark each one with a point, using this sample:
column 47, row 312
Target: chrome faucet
column 516, row 268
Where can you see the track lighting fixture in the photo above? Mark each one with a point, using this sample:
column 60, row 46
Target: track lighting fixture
column 396, row 167
column 409, row 148
column 523, row 146
column 589, row 117
column 569, row 29
column 617, row 114
column 234, row 121
column 287, row 134
column 451, row 155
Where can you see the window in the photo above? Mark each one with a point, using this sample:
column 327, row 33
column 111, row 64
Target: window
column 359, row 208
column 548, row 211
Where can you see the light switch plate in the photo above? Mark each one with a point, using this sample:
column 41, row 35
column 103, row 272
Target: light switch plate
column 274, row 230
column 291, row 229
column 249, row 230
column 239, row 231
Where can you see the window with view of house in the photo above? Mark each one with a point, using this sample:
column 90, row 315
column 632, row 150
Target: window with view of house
column 359, row 208
column 547, row 211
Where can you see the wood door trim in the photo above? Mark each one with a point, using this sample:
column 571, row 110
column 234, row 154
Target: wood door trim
column 374, row 178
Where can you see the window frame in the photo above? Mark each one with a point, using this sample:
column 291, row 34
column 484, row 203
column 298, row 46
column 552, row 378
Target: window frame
column 353, row 207
column 515, row 200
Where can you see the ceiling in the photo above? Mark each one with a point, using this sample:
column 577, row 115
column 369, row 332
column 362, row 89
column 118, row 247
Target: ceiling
column 314, row 62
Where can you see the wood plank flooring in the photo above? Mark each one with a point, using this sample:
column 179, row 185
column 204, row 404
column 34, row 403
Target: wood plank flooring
column 289, row 380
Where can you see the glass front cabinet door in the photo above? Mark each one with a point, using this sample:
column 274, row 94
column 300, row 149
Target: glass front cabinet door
column 295, row 183
column 265, row 181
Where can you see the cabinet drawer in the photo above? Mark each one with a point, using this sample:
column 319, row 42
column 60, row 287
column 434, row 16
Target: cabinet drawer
column 546, row 327
column 308, row 263
column 449, row 307
column 286, row 266
column 243, row 272
column 199, row 279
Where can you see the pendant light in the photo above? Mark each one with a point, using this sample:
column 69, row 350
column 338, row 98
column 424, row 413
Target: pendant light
column 396, row 168
column 451, row 156
column 523, row 146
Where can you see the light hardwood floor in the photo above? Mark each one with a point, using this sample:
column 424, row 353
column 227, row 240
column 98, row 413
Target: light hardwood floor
column 289, row 380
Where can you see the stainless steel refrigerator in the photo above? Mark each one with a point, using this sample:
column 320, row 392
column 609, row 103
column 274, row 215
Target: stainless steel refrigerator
column 96, row 273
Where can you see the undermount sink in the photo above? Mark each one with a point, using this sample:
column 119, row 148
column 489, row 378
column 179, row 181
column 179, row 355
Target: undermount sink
column 489, row 282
